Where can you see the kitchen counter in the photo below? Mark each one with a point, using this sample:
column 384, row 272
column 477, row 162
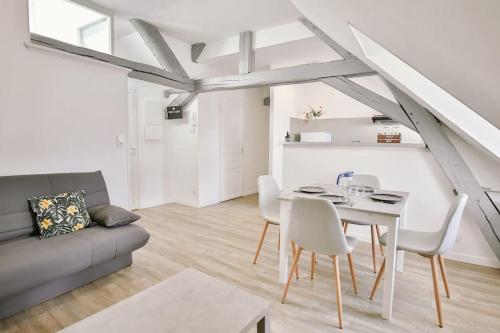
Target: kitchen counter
column 353, row 144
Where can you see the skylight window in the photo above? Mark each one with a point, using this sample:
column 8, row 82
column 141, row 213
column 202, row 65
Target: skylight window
column 447, row 108
column 72, row 23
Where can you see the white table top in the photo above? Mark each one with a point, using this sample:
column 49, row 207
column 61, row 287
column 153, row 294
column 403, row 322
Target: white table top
column 360, row 203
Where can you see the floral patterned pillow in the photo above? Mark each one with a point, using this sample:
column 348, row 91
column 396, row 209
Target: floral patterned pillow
column 61, row 213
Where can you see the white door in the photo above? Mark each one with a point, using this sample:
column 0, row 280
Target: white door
column 133, row 172
column 231, row 146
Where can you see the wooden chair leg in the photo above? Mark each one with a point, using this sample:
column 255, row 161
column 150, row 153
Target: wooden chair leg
column 345, row 227
column 374, row 260
column 336, row 274
column 294, row 264
column 443, row 274
column 293, row 254
column 436, row 290
column 353, row 273
column 378, row 279
column 313, row 264
column 261, row 240
column 378, row 237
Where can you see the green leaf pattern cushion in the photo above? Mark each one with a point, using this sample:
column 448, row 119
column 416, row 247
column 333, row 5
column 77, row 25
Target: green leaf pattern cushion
column 61, row 213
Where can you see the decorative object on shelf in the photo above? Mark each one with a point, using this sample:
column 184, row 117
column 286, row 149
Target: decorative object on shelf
column 287, row 137
column 314, row 114
column 389, row 138
column 316, row 136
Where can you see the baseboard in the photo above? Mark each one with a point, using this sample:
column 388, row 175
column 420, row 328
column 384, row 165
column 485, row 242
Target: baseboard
column 155, row 203
column 475, row 260
column 250, row 192
column 186, row 203
column 465, row 258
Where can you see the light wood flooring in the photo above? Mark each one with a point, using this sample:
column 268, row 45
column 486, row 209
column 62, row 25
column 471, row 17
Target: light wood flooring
column 220, row 240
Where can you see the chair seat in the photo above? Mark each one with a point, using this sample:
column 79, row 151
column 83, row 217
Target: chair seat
column 272, row 219
column 415, row 241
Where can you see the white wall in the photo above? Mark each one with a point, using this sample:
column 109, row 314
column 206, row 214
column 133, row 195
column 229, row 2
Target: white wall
column 154, row 160
column 59, row 113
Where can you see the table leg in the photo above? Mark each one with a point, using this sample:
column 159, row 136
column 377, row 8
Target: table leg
column 390, row 265
column 264, row 325
column 402, row 225
column 284, row 244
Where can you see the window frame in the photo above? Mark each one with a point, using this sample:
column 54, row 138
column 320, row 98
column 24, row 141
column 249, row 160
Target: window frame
column 92, row 6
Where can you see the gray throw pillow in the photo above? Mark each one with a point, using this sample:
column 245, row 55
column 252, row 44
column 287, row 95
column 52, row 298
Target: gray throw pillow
column 112, row 216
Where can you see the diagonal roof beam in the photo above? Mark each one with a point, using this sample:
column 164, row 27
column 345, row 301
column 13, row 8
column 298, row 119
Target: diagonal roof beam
column 369, row 98
column 160, row 49
column 184, row 99
column 287, row 75
column 139, row 70
column 454, row 167
column 326, row 39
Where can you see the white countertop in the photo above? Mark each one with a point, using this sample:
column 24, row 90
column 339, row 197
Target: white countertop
column 352, row 144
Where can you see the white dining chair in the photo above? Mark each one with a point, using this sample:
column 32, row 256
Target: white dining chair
column 315, row 226
column 269, row 206
column 371, row 181
column 430, row 245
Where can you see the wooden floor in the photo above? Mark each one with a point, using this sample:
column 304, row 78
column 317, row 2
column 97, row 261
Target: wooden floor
column 221, row 240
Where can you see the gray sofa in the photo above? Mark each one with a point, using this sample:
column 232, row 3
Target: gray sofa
column 33, row 270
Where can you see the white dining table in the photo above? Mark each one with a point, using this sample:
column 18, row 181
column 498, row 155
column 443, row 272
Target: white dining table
column 361, row 208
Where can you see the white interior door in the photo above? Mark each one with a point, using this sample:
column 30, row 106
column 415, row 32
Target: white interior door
column 231, row 147
column 132, row 139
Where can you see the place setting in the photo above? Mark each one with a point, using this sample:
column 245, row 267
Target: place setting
column 323, row 193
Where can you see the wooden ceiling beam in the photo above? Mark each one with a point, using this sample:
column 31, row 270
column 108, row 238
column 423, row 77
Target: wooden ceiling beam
column 369, row 98
column 139, row 70
column 159, row 47
column 247, row 54
column 287, row 75
column 326, row 39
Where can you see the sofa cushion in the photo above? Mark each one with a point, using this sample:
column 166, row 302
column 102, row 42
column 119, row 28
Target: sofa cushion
column 16, row 218
column 108, row 243
column 29, row 262
column 112, row 216
column 61, row 213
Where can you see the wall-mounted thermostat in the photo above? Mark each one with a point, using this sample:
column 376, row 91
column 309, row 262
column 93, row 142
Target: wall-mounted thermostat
column 173, row 112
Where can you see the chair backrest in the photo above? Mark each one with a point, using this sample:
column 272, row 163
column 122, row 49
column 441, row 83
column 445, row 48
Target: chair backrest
column 268, row 196
column 449, row 230
column 315, row 226
column 366, row 180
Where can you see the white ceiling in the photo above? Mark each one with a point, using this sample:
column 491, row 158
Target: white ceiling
column 202, row 20
column 304, row 51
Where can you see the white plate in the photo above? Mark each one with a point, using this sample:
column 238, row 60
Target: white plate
column 312, row 189
column 336, row 199
column 386, row 197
